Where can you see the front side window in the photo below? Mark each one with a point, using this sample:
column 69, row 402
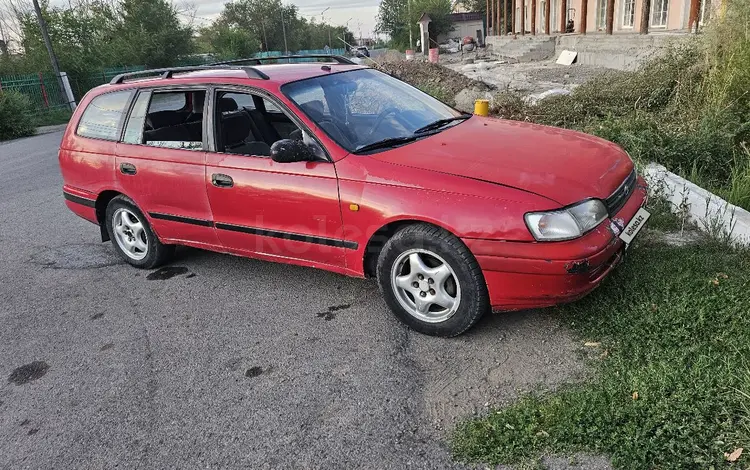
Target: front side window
column 249, row 124
column 173, row 119
column 101, row 119
column 659, row 11
column 363, row 107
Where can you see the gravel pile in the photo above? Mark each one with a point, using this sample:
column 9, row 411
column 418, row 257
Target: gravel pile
column 426, row 74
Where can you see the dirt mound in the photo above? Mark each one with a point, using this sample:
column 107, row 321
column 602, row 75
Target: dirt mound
column 431, row 77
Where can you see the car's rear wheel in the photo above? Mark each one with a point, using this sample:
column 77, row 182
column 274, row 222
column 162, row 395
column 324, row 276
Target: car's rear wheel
column 132, row 235
column 431, row 281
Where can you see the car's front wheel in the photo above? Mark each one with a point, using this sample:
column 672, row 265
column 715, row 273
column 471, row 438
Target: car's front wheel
column 431, row 281
column 132, row 236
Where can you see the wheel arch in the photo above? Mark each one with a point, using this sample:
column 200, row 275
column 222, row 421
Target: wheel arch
column 100, row 206
column 381, row 236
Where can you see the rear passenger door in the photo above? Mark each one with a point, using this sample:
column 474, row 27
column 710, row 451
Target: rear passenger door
column 161, row 163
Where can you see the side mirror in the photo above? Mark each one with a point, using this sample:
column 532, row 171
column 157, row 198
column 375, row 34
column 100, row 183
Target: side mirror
column 288, row 151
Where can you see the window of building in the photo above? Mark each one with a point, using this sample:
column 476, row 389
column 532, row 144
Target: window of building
column 101, row 119
column 659, row 11
column 705, row 12
column 554, row 13
column 628, row 13
column 601, row 14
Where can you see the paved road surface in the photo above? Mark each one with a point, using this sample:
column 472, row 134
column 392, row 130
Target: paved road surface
column 229, row 362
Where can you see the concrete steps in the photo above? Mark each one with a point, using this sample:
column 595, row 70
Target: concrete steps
column 522, row 48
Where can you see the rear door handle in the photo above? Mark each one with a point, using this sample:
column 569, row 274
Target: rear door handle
column 127, row 169
column 222, row 181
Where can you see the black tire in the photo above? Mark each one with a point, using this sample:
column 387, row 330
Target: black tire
column 474, row 298
column 156, row 254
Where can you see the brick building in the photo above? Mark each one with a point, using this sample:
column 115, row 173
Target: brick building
column 586, row 16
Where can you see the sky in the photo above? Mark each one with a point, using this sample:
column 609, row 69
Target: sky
column 339, row 12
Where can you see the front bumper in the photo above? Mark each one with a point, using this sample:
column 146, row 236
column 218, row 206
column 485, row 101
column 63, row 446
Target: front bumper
column 523, row 275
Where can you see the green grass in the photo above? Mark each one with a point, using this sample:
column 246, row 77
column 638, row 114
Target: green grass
column 674, row 327
column 51, row 117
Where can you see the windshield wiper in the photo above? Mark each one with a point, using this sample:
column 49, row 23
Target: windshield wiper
column 385, row 143
column 441, row 122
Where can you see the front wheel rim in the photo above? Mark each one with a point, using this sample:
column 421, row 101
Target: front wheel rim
column 130, row 234
column 426, row 286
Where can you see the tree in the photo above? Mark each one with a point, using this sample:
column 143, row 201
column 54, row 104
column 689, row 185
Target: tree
column 150, row 33
column 248, row 26
column 475, row 5
column 394, row 19
column 89, row 35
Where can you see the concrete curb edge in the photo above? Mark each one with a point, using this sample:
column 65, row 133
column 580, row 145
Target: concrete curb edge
column 707, row 210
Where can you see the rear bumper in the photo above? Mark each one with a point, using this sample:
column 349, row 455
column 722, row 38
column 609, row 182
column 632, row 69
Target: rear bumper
column 529, row 275
column 82, row 203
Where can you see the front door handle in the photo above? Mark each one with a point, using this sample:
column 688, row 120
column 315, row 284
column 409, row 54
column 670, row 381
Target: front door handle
column 222, row 181
column 127, row 169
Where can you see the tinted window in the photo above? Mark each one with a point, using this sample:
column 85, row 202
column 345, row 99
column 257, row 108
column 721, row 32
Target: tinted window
column 175, row 120
column 102, row 116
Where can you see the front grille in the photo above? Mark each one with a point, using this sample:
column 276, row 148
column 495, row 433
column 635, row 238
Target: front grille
column 618, row 198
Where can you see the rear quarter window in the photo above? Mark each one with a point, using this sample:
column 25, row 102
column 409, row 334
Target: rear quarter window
column 102, row 117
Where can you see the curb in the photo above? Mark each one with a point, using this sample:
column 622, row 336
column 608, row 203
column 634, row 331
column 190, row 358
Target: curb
column 708, row 211
column 49, row 129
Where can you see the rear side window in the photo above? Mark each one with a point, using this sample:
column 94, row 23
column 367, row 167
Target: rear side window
column 172, row 119
column 102, row 117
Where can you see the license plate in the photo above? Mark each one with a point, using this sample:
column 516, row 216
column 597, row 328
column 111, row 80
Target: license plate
column 634, row 226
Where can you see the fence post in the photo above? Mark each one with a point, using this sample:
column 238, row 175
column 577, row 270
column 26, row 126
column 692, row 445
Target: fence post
column 44, row 90
column 70, row 99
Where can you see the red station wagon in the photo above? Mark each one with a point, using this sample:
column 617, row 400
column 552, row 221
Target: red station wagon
column 342, row 167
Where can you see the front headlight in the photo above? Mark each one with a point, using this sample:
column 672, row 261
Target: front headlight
column 567, row 223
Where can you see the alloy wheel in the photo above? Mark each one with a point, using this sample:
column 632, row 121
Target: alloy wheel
column 130, row 234
column 425, row 285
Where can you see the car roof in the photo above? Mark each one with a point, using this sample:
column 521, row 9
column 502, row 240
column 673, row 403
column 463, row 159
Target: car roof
column 276, row 73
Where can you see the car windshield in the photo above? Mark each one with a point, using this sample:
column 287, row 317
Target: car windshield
column 363, row 108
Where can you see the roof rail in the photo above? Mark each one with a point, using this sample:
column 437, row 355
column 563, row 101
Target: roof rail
column 259, row 60
column 168, row 72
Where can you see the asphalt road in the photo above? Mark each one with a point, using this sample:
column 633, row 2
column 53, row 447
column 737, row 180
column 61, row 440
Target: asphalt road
column 225, row 362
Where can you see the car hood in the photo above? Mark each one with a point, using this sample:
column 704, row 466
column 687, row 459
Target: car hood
column 561, row 165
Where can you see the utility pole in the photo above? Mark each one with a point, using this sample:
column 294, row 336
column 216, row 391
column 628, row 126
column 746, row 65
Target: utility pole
column 265, row 38
column 328, row 27
column 411, row 41
column 3, row 41
column 283, row 30
column 48, row 44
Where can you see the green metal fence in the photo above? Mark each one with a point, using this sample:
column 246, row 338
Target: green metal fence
column 43, row 89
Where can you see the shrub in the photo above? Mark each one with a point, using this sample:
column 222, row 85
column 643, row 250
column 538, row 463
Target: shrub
column 15, row 120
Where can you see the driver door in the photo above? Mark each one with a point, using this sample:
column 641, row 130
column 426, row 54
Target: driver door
column 282, row 211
